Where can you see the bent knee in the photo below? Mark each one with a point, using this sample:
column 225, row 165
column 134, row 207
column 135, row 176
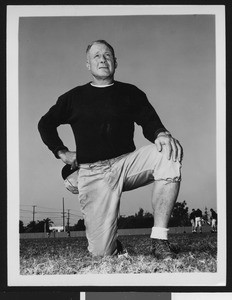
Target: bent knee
column 167, row 169
column 101, row 249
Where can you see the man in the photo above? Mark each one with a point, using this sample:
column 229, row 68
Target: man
column 213, row 218
column 198, row 220
column 102, row 114
column 192, row 220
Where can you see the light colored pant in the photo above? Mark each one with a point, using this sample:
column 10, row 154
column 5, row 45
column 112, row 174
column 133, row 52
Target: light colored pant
column 214, row 225
column 214, row 222
column 193, row 224
column 101, row 184
column 198, row 222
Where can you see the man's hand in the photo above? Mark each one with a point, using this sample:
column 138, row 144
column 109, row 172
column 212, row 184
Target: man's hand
column 68, row 157
column 172, row 147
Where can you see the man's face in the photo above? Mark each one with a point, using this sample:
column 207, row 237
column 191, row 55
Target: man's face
column 100, row 61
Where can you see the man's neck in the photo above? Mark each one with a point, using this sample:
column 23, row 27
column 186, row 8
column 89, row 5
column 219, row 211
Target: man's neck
column 102, row 86
column 102, row 82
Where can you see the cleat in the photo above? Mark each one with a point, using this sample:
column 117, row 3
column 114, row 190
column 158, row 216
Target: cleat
column 119, row 247
column 162, row 249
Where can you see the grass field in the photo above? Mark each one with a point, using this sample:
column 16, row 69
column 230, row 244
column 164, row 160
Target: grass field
column 70, row 256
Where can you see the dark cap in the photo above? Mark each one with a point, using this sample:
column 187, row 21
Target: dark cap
column 66, row 171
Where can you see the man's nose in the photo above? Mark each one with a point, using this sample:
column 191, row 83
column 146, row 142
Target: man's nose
column 102, row 58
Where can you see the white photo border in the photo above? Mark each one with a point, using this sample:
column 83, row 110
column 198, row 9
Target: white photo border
column 202, row 279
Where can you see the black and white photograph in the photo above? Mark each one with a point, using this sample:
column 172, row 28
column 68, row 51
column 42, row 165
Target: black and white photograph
column 89, row 202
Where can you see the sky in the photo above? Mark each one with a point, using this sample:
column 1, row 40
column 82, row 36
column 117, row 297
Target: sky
column 170, row 57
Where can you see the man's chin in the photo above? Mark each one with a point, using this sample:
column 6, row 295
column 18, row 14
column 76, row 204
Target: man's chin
column 104, row 75
column 104, row 71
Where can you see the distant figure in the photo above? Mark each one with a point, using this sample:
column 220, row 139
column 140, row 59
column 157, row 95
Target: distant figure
column 213, row 220
column 192, row 220
column 198, row 220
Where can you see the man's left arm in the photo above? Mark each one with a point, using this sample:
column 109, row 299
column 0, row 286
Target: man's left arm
column 154, row 130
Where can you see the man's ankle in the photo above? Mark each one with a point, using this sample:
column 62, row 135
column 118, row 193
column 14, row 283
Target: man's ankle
column 159, row 233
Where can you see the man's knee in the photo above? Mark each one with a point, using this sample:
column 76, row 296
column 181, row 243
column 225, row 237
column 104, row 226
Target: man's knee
column 166, row 169
column 102, row 237
column 102, row 248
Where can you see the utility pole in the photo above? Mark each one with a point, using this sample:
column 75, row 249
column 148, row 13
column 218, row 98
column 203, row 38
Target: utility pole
column 68, row 219
column 33, row 218
column 63, row 217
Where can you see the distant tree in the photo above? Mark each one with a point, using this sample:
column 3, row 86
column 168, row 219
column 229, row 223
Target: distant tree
column 39, row 225
column 47, row 223
column 122, row 222
column 79, row 226
column 148, row 215
column 30, row 227
column 149, row 220
column 179, row 216
column 126, row 222
column 130, row 222
column 21, row 227
column 140, row 213
column 139, row 220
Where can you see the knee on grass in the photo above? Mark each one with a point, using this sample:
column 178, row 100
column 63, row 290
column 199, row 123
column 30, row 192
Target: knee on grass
column 99, row 249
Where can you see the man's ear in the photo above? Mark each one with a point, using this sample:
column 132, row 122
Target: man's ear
column 87, row 65
column 115, row 63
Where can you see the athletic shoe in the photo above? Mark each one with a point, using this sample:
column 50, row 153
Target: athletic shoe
column 119, row 247
column 162, row 249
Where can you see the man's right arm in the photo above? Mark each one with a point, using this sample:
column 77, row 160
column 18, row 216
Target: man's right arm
column 58, row 114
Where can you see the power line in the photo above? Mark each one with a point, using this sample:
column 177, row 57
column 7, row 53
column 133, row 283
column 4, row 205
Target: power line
column 76, row 210
column 55, row 214
column 43, row 207
column 75, row 215
column 25, row 218
column 48, row 212
column 47, row 207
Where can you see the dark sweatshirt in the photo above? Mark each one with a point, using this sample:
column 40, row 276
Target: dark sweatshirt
column 102, row 120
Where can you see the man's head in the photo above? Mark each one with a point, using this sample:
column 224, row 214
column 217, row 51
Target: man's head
column 101, row 42
column 101, row 60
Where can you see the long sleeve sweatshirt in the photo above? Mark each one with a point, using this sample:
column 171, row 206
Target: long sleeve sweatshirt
column 102, row 120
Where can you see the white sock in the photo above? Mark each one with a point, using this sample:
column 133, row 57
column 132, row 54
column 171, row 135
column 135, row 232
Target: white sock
column 159, row 233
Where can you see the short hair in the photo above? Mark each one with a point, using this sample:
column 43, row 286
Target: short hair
column 101, row 42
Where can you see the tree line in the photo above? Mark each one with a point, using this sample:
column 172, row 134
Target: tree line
column 142, row 219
